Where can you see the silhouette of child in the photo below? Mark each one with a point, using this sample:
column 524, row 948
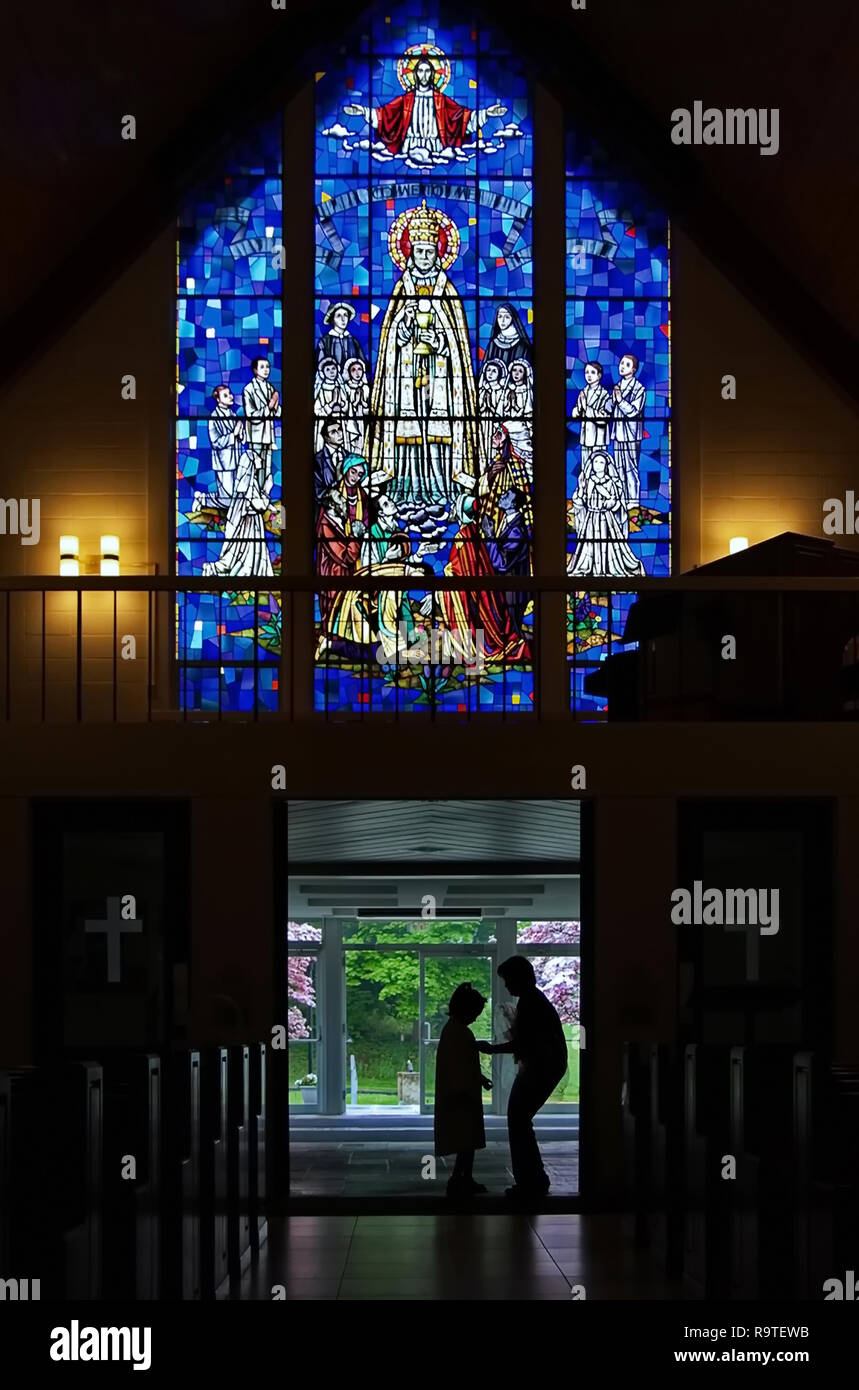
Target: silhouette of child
column 458, row 1080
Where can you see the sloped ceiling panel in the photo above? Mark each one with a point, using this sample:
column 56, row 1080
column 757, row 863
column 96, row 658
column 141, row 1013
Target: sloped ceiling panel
column 492, row 832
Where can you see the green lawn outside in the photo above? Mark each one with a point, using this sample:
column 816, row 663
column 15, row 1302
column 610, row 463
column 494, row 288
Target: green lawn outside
column 378, row 1064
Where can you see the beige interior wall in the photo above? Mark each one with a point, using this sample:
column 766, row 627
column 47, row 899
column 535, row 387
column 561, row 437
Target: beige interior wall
column 765, row 462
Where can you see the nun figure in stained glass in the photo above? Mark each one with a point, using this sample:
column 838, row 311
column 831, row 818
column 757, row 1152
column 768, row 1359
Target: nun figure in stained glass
column 338, row 342
column 509, row 339
column 602, row 522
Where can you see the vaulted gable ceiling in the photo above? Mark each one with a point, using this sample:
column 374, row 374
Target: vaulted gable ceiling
column 81, row 202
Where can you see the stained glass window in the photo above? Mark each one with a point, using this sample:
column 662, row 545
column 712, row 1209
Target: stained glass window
column 618, row 403
column 228, row 470
column 423, row 398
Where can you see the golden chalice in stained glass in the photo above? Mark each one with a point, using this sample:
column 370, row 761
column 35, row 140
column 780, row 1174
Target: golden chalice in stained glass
column 424, row 318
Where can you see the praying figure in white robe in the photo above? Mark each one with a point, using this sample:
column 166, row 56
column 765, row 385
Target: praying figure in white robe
column 244, row 550
column 491, row 390
column 226, row 437
column 519, row 410
column 356, row 399
column 602, row 523
column 627, row 426
column 329, row 397
column 593, row 408
column 423, row 435
column 262, row 407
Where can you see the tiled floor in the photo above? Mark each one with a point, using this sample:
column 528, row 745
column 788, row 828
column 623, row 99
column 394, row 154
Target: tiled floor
column 453, row 1256
column 399, row 1170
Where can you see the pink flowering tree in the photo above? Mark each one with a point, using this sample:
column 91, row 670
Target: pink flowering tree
column 299, row 985
column 557, row 976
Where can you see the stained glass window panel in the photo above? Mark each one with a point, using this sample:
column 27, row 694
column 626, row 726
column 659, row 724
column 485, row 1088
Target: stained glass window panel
column 228, row 432
column 424, row 389
column 618, row 405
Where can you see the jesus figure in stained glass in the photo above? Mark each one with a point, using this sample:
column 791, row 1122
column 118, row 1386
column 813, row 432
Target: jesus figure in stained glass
column 423, row 410
column 423, row 121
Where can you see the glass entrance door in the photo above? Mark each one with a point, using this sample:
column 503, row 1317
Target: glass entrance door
column 440, row 973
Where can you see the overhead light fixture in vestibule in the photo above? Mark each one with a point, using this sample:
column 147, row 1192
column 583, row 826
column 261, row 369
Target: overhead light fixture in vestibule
column 738, row 543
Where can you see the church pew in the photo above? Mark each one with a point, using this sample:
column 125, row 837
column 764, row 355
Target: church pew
column 238, row 1162
column 833, row 1233
column 666, row 1157
column 148, row 1193
column 257, row 1145
column 55, row 1178
column 78, row 1093
column 214, row 1136
column 768, row 1152
column 636, row 1110
column 803, row 1087
column 742, row 1191
column 133, row 1129
column 180, row 1177
column 706, row 1097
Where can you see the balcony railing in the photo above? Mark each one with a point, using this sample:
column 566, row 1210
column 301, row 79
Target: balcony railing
column 99, row 650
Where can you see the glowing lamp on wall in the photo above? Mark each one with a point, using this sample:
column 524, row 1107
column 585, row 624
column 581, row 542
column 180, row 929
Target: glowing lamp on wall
column 69, row 562
column 737, row 543
column 110, row 555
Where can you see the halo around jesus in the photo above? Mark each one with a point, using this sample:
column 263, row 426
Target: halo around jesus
column 423, row 224
column 409, row 61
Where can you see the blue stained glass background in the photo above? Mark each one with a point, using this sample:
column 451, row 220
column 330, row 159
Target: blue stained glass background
column 505, row 227
column 632, row 234
column 218, row 225
column 394, row 28
column 342, row 238
column 505, row 154
column 217, row 339
column 602, row 330
column 346, row 78
column 220, row 626
column 227, row 315
column 233, row 689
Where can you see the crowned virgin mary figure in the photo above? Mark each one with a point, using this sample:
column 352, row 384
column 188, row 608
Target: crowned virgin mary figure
column 423, row 409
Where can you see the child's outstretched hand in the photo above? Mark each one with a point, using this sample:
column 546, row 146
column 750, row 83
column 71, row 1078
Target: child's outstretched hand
column 486, row 1083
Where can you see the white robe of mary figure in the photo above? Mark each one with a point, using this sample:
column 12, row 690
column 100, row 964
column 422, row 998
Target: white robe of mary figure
column 423, row 409
column 593, row 409
column 602, row 523
column 627, row 426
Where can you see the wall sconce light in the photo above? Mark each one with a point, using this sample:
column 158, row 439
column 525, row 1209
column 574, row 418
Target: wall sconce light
column 69, row 562
column 110, row 555
column 737, row 543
